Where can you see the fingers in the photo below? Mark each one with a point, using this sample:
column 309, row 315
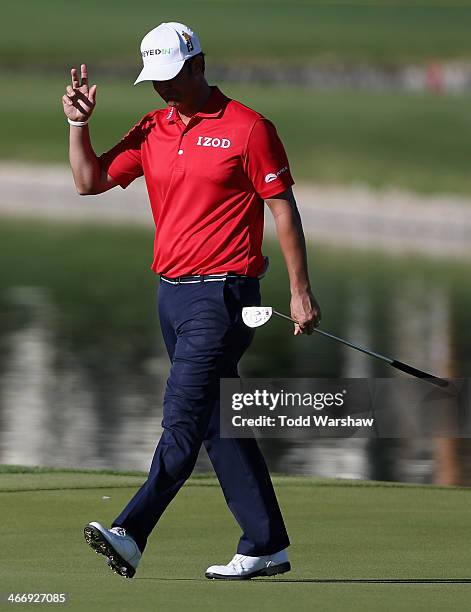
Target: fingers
column 78, row 94
column 305, row 311
column 80, row 100
column 307, row 327
column 75, row 79
column 83, row 81
column 313, row 324
column 84, row 74
column 92, row 94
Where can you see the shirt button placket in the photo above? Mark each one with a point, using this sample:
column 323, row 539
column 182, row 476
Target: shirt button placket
column 180, row 152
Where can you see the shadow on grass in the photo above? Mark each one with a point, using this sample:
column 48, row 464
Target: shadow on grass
column 374, row 580
column 330, row 580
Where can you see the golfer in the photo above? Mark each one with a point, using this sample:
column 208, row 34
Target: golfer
column 209, row 164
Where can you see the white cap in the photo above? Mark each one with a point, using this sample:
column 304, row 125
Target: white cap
column 165, row 49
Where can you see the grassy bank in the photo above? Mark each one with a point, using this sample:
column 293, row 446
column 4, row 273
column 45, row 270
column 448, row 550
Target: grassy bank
column 354, row 547
column 386, row 31
column 417, row 141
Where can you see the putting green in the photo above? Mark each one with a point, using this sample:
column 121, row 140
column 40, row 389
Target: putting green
column 355, row 546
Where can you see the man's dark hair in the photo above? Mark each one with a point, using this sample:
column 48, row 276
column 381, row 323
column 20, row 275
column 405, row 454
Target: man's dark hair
column 190, row 61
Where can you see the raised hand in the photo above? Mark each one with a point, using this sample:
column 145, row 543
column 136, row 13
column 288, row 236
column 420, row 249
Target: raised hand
column 79, row 99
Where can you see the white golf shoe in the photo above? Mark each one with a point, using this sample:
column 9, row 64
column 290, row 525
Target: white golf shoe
column 242, row 567
column 122, row 551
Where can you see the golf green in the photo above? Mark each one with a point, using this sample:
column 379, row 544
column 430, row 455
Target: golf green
column 355, row 546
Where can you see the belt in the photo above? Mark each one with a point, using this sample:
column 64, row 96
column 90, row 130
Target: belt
column 208, row 278
column 202, row 278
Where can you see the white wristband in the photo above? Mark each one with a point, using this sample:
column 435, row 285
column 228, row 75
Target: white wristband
column 78, row 123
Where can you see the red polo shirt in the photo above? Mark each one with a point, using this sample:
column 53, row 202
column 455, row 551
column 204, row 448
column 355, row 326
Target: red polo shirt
column 206, row 183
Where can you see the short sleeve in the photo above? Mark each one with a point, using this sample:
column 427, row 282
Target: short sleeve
column 266, row 163
column 123, row 162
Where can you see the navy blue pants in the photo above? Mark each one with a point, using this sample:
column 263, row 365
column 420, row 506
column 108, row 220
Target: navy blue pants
column 205, row 338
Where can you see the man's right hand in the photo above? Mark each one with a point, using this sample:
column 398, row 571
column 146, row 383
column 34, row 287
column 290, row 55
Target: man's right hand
column 79, row 100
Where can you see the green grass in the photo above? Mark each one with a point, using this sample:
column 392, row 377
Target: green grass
column 415, row 141
column 275, row 31
column 341, row 533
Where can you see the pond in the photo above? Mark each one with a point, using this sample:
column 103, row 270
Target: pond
column 83, row 366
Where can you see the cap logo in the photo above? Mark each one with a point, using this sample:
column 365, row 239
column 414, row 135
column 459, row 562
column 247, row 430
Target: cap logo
column 189, row 43
column 166, row 51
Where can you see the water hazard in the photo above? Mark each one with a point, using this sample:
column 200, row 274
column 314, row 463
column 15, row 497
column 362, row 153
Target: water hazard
column 83, row 366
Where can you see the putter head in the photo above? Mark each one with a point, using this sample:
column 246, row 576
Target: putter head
column 255, row 316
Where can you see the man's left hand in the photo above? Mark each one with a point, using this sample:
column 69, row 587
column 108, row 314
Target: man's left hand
column 305, row 311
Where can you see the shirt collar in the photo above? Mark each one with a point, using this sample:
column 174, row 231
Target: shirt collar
column 213, row 108
column 215, row 105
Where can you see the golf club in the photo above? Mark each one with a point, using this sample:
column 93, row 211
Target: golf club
column 256, row 316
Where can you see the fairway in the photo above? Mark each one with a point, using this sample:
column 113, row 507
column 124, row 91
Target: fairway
column 414, row 141
column 355, row 546
column 265, row 31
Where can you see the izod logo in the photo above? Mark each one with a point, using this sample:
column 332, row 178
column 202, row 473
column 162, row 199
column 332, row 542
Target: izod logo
column 206, row 141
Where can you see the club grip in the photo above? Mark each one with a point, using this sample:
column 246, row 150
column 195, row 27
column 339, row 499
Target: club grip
column 440, row 382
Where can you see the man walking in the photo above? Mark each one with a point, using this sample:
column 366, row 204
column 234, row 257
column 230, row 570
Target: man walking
column 209, row 163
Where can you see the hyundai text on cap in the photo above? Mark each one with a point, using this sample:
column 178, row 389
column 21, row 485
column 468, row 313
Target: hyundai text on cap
column 165, row 49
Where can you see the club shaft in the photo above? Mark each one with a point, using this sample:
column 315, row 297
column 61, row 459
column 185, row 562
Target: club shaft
column 404, row 367
column 354, row 346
